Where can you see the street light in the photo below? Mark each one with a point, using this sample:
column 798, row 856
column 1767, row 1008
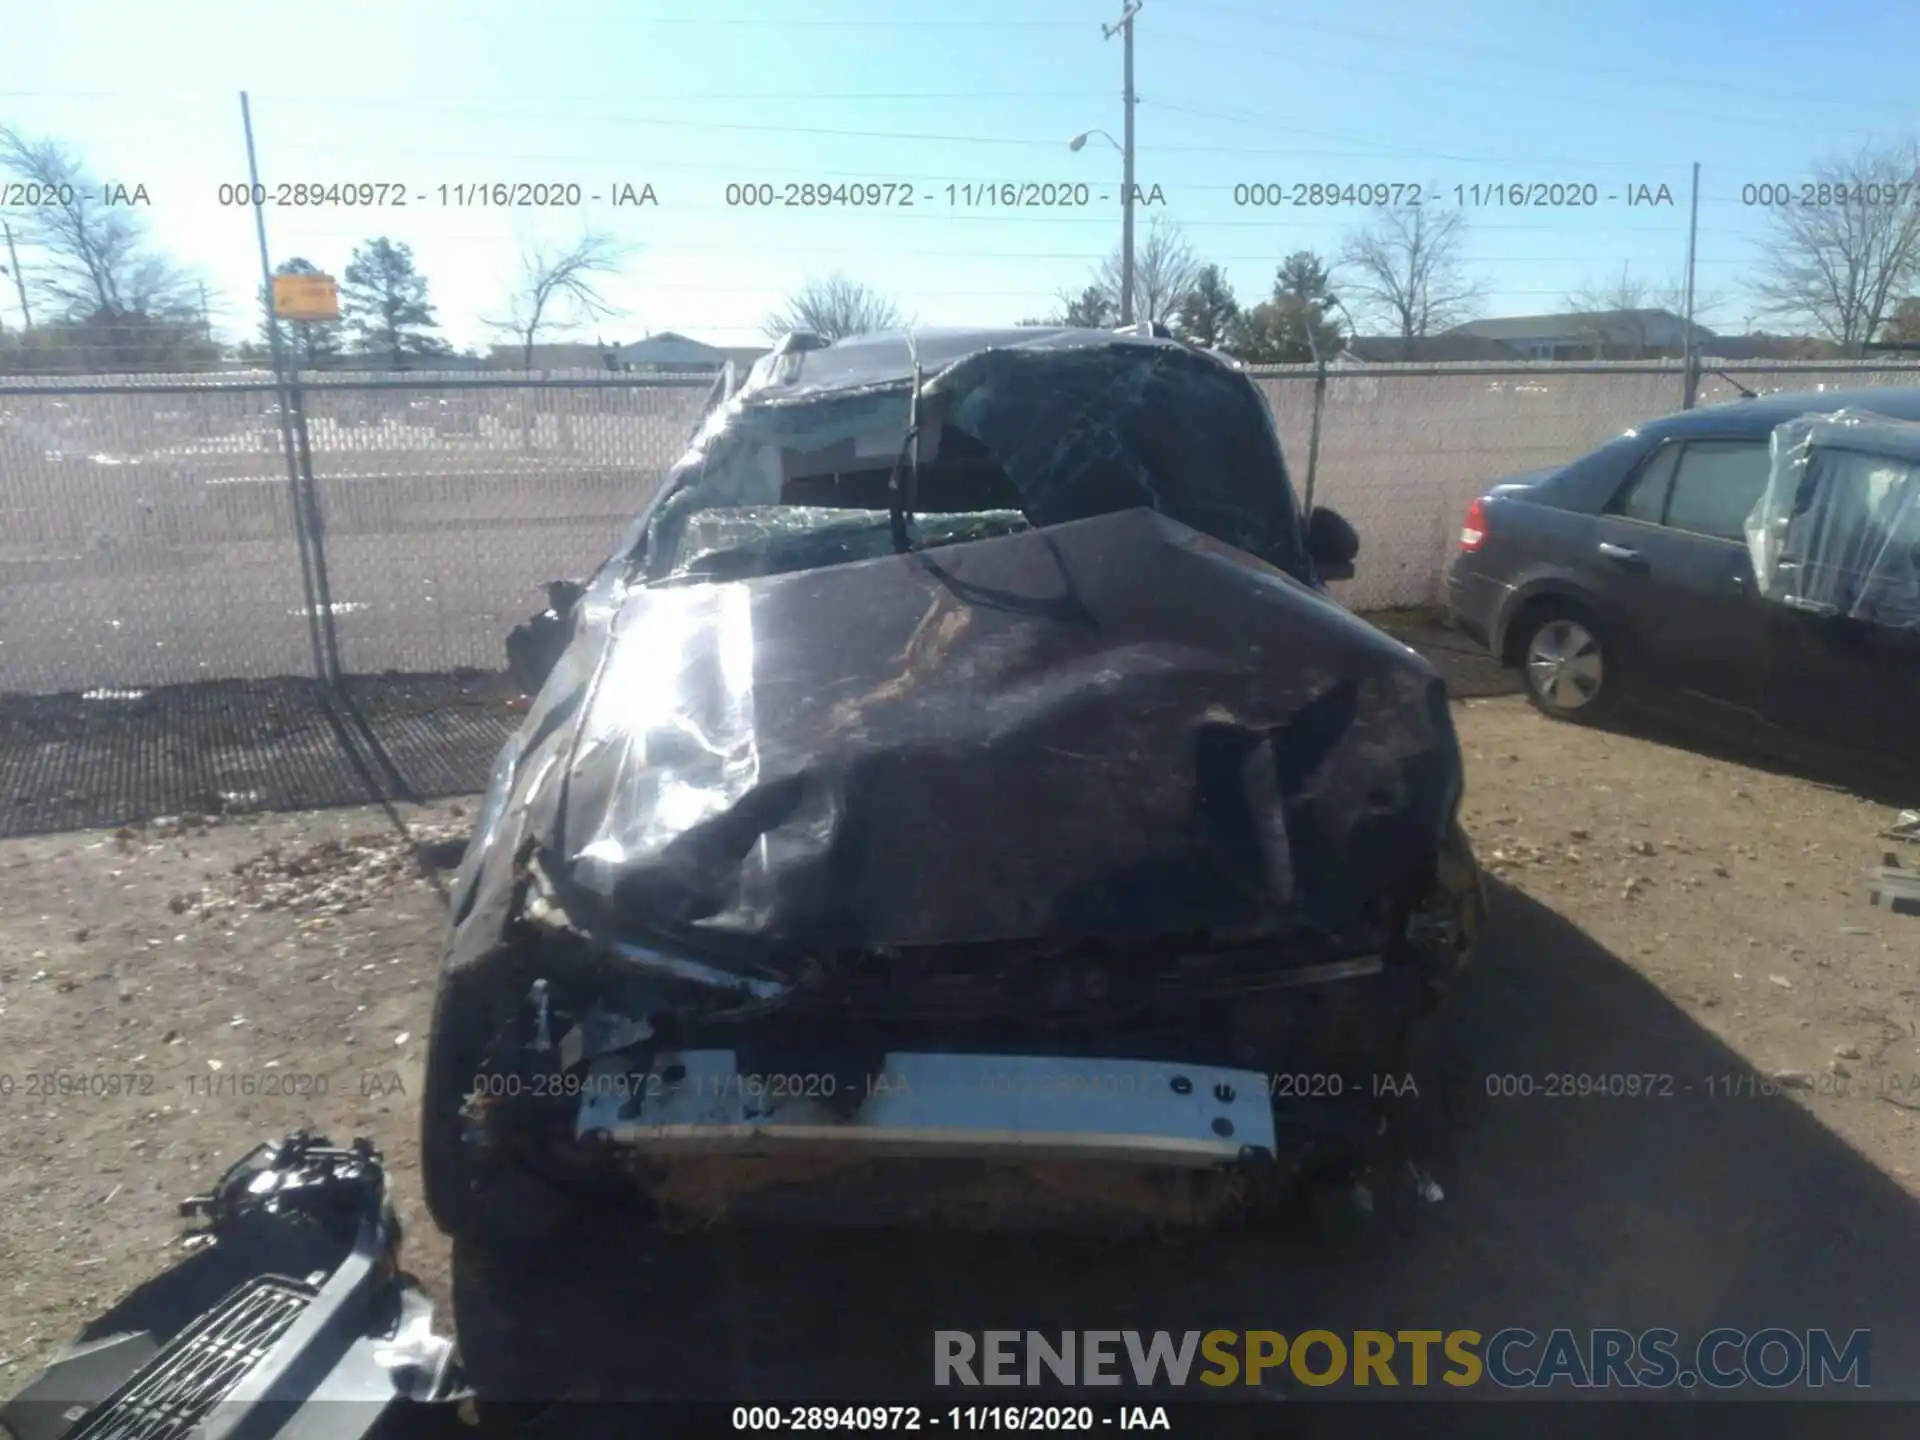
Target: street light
column 1079, row 142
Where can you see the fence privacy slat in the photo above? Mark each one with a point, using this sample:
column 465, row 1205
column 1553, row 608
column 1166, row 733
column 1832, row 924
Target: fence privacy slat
column 146, row 536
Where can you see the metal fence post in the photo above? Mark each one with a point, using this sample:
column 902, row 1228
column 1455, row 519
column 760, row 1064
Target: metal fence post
column 283, row 391
column 316, row 532
column 1313, row 435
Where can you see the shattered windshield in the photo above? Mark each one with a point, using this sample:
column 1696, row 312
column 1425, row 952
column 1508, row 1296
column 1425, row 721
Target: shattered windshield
column 1009, row 440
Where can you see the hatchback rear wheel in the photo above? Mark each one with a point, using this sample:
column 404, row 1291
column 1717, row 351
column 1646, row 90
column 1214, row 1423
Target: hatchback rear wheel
column 1569, row 670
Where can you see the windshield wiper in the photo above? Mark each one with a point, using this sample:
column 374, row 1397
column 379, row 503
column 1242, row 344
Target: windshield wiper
column 901, row 497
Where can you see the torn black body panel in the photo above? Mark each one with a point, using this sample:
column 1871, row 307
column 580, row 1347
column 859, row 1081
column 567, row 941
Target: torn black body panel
column 1092, row 769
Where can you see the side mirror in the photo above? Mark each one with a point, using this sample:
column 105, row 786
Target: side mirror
column 1332, row 543
column 533, row 649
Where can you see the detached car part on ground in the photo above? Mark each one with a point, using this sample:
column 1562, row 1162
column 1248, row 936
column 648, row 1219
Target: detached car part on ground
column 290, row 1316
column 956, row 801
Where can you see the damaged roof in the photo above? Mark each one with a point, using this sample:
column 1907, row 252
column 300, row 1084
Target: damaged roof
column 887, row 357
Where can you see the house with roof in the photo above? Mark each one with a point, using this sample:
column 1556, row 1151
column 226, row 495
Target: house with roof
column 1652, row 334
column 550, row 357
column 672, row 353
column 1445, row 349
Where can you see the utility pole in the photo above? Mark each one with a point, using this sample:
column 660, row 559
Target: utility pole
column 19, row 280
column 1689, row 387
column 1123, row 27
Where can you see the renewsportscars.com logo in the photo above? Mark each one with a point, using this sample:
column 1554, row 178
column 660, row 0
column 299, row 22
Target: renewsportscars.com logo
column 1514, row 1359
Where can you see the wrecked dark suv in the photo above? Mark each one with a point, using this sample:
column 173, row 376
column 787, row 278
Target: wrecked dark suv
column 957, row 800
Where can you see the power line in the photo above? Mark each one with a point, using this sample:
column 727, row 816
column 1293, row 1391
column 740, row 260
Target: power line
column 783, row 22
column 898, row 173
column 1247, row 117
column 1237, row 116
column 414, row 107
column 684, row 124
column 1614, row 73
column 1557, row 97
column 1375, row 149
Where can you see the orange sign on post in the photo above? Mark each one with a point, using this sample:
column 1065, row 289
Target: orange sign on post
column 305, row 297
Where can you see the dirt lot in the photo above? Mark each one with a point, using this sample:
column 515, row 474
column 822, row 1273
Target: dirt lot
column 1657, row 911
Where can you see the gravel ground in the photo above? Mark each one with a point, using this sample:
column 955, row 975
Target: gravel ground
column 196, row 985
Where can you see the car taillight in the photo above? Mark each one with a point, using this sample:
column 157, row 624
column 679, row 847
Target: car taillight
column 1473, row 531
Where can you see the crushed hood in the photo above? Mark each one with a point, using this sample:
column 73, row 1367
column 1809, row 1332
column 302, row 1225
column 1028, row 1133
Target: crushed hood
column 1111, row 726
column 1110, row 702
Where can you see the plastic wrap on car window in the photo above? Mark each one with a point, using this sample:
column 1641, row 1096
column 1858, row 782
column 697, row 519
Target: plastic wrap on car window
column 1837, row 530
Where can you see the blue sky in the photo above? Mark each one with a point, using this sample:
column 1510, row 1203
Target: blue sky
column 689, row 97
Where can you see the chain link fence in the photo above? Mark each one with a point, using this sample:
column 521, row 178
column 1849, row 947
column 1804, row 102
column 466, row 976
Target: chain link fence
column 446, row 509
column 147, row 532
column 148, row 537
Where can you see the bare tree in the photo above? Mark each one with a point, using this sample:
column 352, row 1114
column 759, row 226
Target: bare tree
column 1165, row 269
column 559, row 291
column 95, row 262
column 1838, row 266
column 834, row 308
column 116, row 303
column 1406, row 269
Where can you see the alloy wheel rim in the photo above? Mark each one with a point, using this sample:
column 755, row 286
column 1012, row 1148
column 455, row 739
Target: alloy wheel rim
column 1564, row 665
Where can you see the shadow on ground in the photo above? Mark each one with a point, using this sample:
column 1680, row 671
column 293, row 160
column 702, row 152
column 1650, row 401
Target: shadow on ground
column 1872, row 777
column 116, row 757
column 1472, row 673
column 1689, row 1211
column 79, row 761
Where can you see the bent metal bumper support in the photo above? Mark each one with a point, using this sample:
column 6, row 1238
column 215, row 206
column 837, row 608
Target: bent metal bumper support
column 947, row 1105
